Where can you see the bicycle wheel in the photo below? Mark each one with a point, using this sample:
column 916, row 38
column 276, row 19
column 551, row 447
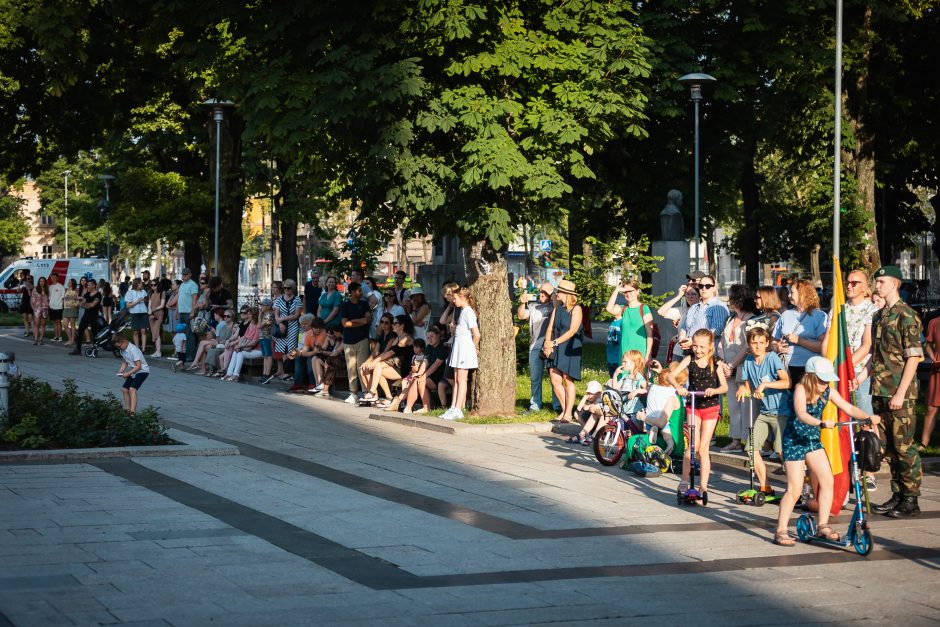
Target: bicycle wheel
column 609, row 445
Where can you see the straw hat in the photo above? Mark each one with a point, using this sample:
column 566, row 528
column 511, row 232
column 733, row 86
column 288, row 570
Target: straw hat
column 566, row 287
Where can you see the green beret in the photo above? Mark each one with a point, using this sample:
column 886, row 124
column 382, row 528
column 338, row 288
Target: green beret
column 891, row 271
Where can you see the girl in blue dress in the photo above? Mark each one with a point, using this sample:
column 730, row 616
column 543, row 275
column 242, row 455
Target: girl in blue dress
column 802, row 447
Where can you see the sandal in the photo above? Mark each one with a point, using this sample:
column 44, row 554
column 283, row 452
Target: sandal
column 783, row 538
column 383, row 404
column 575, row 439
column 587, row 441
column 826, row 533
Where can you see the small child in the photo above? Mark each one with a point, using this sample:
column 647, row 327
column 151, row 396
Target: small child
column 613, row 345
column 704, row 376
column 418, row 366
column 179, row 345
column 661, row 402
column 766, row 379
column 590, row 414
column 265, row 340
column 630, row 378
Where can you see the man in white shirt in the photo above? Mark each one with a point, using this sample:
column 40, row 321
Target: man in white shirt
column 134, row 370
column 56, row 298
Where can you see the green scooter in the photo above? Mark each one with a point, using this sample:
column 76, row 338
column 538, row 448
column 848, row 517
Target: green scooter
column 752, row 496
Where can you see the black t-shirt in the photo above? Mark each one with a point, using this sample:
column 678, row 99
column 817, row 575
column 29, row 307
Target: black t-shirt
column 311, row 298
column 90, row 299
column 220, row 298
column 353, row 311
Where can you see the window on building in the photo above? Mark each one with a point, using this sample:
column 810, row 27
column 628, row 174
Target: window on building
column 47, row 252
column 46, row 220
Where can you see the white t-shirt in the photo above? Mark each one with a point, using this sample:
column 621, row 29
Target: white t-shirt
column 131, row 296
column 132, row 354
column 56, row 295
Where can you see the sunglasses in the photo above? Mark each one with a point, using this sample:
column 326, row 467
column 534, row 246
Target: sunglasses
column 853, row 283
column 706, row 286
column 384, row 322
column 226, row 316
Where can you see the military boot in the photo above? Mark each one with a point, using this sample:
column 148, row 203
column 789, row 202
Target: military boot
column 907, row 508
column 889, row 505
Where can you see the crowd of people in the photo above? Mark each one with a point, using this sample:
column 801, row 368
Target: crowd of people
column 762, row 351
column 381, row 339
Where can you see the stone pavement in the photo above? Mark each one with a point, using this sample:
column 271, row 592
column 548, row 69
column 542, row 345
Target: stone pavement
column 327, row 517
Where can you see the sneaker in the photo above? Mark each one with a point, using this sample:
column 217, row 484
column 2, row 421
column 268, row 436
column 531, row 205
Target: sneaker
column 423, row 410
column 407, row 410
column 265, row 379
column 312, row 390
column 449, row 414
column 352, row 399
column 870, row 483
column 322, row 394
column 155, row 354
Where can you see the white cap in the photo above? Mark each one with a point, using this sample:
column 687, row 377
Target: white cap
column 822, row 368
column 593, row 387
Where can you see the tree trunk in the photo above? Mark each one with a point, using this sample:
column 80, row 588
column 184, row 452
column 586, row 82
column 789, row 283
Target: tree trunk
column 575, row 239
column 814, row 266
column 192, row 256
column 289, row 263
column 861, row 160
column 750, row 233
column 493, row 391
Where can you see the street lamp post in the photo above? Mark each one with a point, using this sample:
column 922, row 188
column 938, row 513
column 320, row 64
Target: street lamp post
column 107, row 178
column 695, row 82
column 218, row 114
column 66, row 174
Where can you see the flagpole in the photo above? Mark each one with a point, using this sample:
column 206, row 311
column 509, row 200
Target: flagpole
column 837, row 170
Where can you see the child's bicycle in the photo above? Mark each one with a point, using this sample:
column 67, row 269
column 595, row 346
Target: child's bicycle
column 611, row 441
column 645, row 458
column 858, row 534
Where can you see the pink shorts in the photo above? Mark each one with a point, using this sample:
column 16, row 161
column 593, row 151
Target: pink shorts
column 707, row 413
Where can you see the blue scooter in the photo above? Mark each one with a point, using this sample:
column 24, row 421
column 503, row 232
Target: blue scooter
column 692, row 495
column 858, row 534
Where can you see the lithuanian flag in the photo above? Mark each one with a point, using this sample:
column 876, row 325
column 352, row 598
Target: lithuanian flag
column 837, row 350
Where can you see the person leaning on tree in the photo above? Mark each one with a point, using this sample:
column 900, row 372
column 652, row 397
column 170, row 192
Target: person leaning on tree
column 896, row 351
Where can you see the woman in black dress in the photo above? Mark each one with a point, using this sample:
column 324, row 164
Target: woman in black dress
column 562, row 349
column 26, row 307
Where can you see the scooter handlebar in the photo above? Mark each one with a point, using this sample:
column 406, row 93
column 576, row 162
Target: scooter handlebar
column 857, row 421
column 697, row 394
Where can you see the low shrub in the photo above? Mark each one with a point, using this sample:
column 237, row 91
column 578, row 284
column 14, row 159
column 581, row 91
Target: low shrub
column 41, row 417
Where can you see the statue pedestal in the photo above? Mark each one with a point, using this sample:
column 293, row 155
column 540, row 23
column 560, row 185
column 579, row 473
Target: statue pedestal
column 673, row 268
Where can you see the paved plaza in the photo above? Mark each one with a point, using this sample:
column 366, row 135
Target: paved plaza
column 326, row 516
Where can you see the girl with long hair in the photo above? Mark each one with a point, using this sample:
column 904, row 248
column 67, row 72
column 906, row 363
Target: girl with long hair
column 464, row 356
column 39, row 302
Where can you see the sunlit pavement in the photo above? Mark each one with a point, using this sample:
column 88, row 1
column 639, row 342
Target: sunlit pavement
column 327, row 517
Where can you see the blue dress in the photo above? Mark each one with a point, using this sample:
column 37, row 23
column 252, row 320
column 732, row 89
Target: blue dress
column 799, row 438
column 567, row 356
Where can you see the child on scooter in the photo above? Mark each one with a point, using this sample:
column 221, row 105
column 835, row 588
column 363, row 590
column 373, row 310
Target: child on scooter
column 661, row 402
column 802, row 447
column 765, row 379
column 704, row 376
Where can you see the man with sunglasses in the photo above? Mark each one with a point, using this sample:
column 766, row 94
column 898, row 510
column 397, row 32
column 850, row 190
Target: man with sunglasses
column 709, row 313
column 537, row 310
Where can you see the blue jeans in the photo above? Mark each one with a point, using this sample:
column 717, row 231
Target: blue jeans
column 302, row 373
column 863, row 396
column 190, row 338
column 536, row 373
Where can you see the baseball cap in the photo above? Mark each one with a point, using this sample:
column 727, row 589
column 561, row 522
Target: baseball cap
column 187, row 271
column 698, row 275
column 180, row 328
column 593, row 387
column 822, row 368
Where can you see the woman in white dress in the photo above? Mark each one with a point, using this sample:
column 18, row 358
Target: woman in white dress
column 464, row 356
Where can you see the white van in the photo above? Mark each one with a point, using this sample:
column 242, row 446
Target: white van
column 74, row 268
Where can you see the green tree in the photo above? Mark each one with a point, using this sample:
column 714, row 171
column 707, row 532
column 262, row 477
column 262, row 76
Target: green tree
column 13, row 225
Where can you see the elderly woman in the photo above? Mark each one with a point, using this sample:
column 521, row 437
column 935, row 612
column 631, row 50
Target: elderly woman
column 799, row 331
column 732, row 349
column 562, row 347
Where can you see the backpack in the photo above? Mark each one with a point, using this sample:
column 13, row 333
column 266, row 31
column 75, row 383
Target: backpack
column 657, row 337
column 869, row 451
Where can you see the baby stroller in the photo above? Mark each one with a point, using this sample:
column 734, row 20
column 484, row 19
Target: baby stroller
column 102, row 339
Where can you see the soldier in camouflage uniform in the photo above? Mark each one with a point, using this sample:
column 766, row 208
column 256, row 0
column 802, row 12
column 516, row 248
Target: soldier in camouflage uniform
column 896, row 351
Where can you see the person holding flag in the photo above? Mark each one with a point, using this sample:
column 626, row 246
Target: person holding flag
column 896, row 351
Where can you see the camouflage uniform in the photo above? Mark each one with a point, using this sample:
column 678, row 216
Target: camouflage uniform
column 895, row 338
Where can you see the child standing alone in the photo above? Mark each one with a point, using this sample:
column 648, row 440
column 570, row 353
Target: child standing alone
column 179, row 346
column 704, row 376
column 464, row 357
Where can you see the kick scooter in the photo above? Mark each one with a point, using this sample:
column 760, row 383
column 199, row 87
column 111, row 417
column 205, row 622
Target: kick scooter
column 858, row 534
column 751, row 496
column 692, row 495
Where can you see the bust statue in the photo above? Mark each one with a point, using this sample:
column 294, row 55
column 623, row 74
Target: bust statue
column 670, row 218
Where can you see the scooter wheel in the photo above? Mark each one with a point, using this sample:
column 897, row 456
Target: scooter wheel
column 759, row 498
column 805, row 528
column 704, row 498
column 862, row 542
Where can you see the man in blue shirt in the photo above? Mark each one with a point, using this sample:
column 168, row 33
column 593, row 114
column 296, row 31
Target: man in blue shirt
column 185, row 304
column 765, row 379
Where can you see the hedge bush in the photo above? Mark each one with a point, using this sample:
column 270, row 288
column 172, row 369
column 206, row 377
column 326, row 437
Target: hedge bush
column 44, row 418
